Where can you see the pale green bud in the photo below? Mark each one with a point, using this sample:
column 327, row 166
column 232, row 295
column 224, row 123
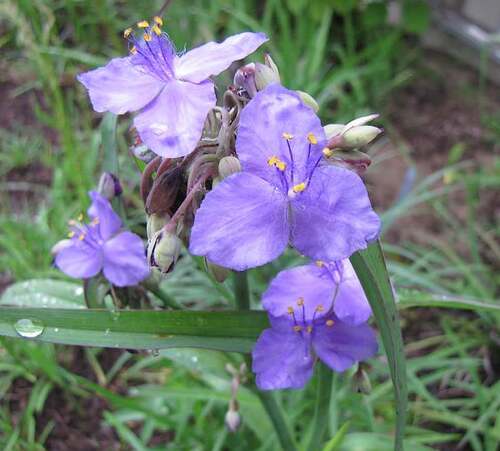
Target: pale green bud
column 233, row 418
column 264, row 76
column 332, row 130
column 109, row 186
column 164, row 250
column 308, row 100
column 228, row 166
column 272, row 65
column 155, row 223
column 361, row 382
column 359, row 136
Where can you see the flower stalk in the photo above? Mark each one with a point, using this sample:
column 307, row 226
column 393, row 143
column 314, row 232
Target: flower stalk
column 322, row 406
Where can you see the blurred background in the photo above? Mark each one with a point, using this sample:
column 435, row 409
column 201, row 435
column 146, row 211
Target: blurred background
column 431, row 69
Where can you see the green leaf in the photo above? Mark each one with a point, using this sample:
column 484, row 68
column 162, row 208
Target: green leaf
column 416, row 16
column 140, row 329
column 372, row 272
column 109, row 144
column 46, row 293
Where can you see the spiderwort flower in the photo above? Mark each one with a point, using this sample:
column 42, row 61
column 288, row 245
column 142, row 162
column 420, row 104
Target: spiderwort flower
column 305, row 324
column 173, row 93
column 285, row 193
column 103, row 245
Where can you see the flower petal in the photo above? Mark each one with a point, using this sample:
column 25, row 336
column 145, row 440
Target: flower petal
column 272, row 112
column 79, row 260
column 351, row 305
column 172, row 123
column 120, row 86
column 342, row 345
column 241, row 224
column 102, row 212
column 333, row 217
column 212, row 58
column 281, row 359
column 125, row 260
column 309, row 283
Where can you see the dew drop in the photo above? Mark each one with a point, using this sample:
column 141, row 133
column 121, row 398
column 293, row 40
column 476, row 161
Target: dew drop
column 29, row 328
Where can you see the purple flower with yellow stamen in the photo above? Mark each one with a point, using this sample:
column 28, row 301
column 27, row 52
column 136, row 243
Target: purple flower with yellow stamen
column 284, row 194
column 173, row 93
column 102, row 245
column 316, row 311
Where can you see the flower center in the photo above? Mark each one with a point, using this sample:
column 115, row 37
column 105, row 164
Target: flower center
column 298, row 314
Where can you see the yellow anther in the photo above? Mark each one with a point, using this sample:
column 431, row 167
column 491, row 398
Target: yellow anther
column 277, row 163
column 143, row 24
column 319, row 308
column 81, row 237
column 290, row 310
column 311, row 138
column 309, row 329
column 287, row 136
column 327, row 152
column 80, row 217
column 71, row 234
column 299, row 188
column 300, row 302
column 158, row 20
column 95, row 221
column 147, row 37
column 127, row 32
column 156, row 29
column 297, row 328
column 133, row 50
column 320, row 263
column 329, row 322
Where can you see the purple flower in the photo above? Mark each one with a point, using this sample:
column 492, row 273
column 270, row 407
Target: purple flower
column 284, row 193
column 172, row 93
column 103, row 245
column 309, row 320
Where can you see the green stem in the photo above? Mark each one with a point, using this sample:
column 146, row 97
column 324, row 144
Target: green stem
column 322, row 407
column 273, row 409
column 168, row 301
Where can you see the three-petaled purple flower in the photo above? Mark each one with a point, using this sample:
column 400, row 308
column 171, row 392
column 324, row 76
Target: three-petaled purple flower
column 103, row 245
column 315, row 311
column 285, row 192
column 173, row 93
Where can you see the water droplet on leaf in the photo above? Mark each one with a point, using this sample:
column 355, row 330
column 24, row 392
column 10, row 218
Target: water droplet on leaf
column 29, row 328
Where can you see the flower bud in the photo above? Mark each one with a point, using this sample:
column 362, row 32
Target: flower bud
column 264, row 76
column 109, row 186
column 332, row 130
column 268, row 61
column 233, row 418
column 245, row 78
column 308, row 100
column 228, row 166
column 359, row 136
column 361, row 382
column 350, row 159
column 219, row 273
column 143, row 153
column 155, row 223
column 164, row 250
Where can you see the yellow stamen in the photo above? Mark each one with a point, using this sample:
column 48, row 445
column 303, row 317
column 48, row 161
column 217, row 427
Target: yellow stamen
column 71, row 234
column 329, row 322
column 127, row 32
column 299, row 188
column 311, row 138
column 158, row 20
column 143, row 24
column 297, row 328
column 320, row 263
column 309, row 329
column 287, row 136
column 319, row 308
column 133, row 50
column 147, row 37
column 81, row 237
column 327, row 152
column 290, row 310
column 277, row 163
column 156, row 30
column 300, row 302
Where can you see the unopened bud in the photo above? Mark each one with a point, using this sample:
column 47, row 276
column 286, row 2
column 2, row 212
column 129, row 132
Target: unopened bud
column 233, row 418
column 361, row 382
column 353, row 159
column 109, row 186
column 359, row 136
column 155, row 223
column 219, row 273
column 308, row 100
column 265, row 76
column 245, row 78
column 268, row 61
column 59, row 246
column 164, row 250
column 332, row 130
column 228, row 166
